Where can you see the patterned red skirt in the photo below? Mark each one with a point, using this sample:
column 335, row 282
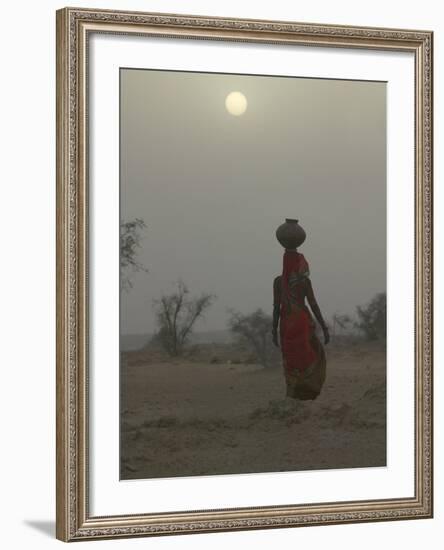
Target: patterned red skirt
column 303, row 354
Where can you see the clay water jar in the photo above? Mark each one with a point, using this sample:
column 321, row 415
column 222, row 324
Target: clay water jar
column 290, row 234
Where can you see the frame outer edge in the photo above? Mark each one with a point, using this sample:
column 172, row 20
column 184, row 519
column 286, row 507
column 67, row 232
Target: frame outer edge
column 429, row 105
column 428, row 247
column 62, row 283
column 72, row 521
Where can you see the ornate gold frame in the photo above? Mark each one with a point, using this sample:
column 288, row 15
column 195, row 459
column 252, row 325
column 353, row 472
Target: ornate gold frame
column 73, row 519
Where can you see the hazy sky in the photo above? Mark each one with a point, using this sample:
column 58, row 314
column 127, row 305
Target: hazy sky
column 213, row 187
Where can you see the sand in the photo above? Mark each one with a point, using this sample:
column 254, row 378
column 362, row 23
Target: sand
column 185, row 418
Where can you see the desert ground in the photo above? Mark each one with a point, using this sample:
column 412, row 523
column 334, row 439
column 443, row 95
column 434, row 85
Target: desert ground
column 216, row 411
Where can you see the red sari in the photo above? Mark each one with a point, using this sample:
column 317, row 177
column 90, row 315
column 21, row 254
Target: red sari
column 302, row 352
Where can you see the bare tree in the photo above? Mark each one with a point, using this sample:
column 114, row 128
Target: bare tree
column 255, row 329
column 342, row 321
column 130, row 236
column 176, row 315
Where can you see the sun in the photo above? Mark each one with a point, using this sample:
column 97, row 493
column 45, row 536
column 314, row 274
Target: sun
column 236, row 103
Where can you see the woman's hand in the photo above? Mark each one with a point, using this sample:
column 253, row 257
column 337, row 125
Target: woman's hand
column 326, row 335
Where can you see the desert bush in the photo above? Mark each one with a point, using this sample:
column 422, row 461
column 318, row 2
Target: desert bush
column 176, row 315
column 255, row 329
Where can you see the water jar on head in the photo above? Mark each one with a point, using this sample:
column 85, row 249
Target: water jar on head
column 290, row 234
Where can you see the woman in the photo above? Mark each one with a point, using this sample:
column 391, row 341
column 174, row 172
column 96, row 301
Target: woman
column 302, row 353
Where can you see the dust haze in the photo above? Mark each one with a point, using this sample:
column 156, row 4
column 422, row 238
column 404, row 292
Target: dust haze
column 212, row 188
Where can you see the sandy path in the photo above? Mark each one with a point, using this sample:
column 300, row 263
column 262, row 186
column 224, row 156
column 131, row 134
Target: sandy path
column 197, row 419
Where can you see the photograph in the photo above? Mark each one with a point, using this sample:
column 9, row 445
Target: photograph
column 253, row 242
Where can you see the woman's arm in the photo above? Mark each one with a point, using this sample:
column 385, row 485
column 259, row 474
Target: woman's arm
column 316, row 311
column 276, row 308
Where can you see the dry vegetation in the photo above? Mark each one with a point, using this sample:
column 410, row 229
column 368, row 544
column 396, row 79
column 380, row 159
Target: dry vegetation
column 215, row 411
